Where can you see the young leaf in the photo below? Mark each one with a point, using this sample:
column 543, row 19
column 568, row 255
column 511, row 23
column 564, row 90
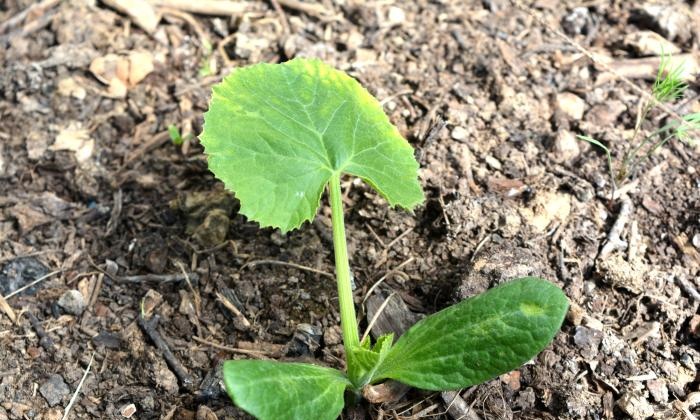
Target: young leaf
column 276, row 133
column 479, row 338
column 274, row 390
column 366, row 359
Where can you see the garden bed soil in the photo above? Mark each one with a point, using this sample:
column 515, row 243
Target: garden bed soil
column 119, row 222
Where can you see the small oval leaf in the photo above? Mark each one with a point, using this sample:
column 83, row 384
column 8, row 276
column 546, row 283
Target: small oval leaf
column 478, row 338
column 272, row 390
column 276, row 133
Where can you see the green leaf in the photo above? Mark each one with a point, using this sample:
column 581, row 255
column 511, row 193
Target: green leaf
column 366, row 359
column 478, row 338
column 276, row 133
column 174, row 134
column 272, row 390
column 608, row 155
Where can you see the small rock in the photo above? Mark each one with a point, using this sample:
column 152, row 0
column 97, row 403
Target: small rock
column 566, row 146
column 493, row 162
column 54, row 389
column 650, row 43
column 50, row 414
column 575, row 314
column 605, row 114
column 588, row 340
column 128, row 410
column 658, row 390
column 547, row 207
column 618, row 272
column 611, row 344
column 107, row 339
column 396, row 16
column 213, row 229
column 19, row 272
column 570, row 105
column 72, row 302
column 332, row 336
column 165, row 378
column 635, row 406
column 305, row 341
column 512, row 380
column 694, row 325
column 577, row 22
column 526, row 399
column 250, row 47
column 205, row 413
column 674, row 20
column 459, row 133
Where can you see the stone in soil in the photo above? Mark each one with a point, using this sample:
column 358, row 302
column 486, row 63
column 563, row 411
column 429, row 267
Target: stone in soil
column 19, row 272
column 588, row 340
column 54, row 389
column 635, row 406
column 72, row 302
column 570, row 105
column 566, row 146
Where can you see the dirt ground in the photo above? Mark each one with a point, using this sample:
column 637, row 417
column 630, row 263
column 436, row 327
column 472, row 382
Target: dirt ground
column 118, row 223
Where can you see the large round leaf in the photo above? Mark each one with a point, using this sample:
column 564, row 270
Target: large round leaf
column 276, row 133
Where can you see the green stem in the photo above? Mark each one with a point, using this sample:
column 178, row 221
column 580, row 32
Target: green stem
column 654, row 148
column 348, row 321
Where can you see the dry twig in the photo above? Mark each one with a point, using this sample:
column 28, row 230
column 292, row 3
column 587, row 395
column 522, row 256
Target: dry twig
column 287, row 264
column 231, row 307
column 255, row 353
column 34, row 11
column 204, row 7
column 614, row 241
column 150, row 328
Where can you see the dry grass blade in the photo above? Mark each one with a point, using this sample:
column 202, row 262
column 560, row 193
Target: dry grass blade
column 287, row 264
column 77, row 390
column 376, row 316
column 35, row 282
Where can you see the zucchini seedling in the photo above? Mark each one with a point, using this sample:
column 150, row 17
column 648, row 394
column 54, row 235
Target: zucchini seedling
column 277, row 135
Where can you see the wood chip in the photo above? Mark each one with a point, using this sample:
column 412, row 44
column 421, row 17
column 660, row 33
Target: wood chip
column 139, row 11
column 7, row 309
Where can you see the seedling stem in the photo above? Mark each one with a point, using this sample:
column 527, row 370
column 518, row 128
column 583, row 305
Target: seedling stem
column 348, row 320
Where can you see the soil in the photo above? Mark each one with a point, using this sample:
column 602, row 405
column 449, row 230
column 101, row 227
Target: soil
column 118, row 221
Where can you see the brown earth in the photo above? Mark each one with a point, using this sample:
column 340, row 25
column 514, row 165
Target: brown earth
column 95, row 195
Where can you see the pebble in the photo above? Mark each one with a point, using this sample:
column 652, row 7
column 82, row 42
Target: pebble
column 72, row 302
column 674, row 20
column 635, row 406
column 332, row 336
column 566, row 146
column 128, row 410
column 650, row 43
column 493, row 162
column 588, row 340
column 606, row 114
column 50, row 414
column 577, row 22
column 570, row 105
column 54, row 389
column 694, row 325
column 658, row 390
column 396, row 16
column 459, row 133
column 575, row 314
